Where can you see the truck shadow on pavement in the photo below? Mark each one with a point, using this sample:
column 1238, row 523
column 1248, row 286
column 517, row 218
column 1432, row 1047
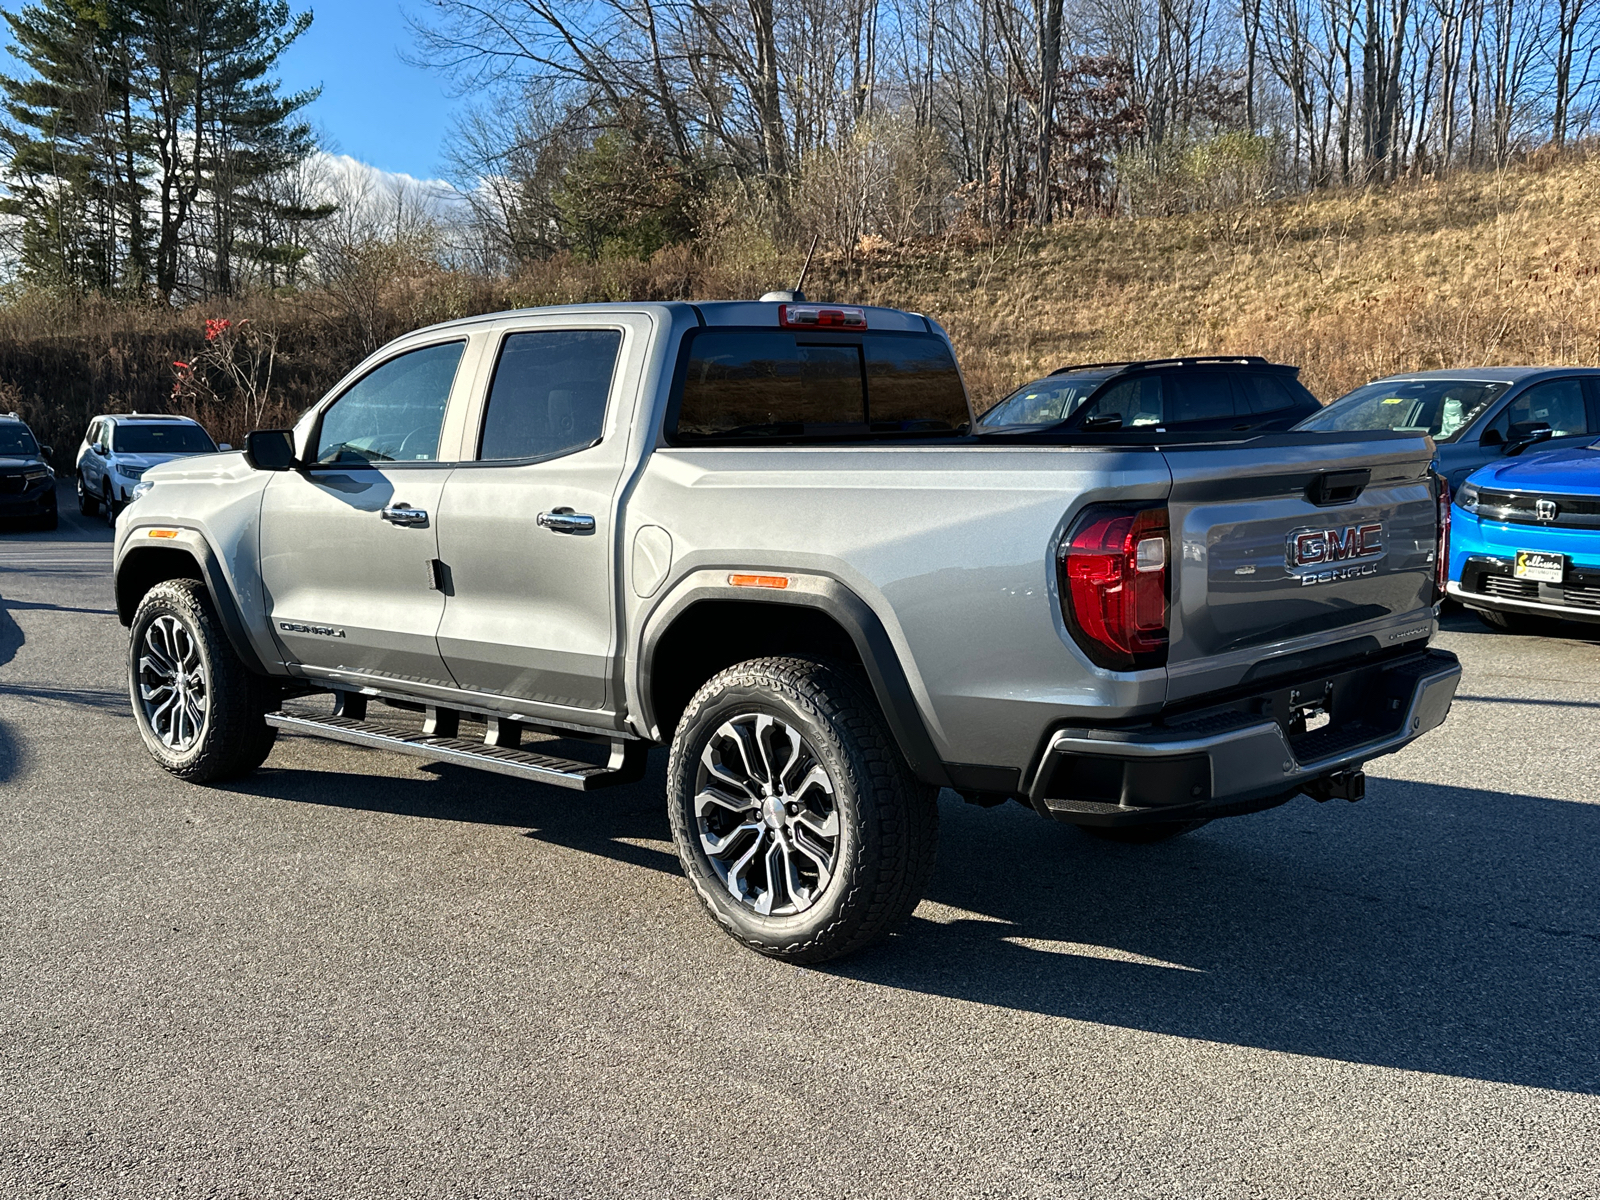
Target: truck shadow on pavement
column 1436, row 929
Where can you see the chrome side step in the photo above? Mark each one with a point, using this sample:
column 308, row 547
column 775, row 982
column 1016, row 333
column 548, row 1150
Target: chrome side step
column 502, row 755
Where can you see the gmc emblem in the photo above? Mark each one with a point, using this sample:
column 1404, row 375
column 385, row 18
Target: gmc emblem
column 1324, row 547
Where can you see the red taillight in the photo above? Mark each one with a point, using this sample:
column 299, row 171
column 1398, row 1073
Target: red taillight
column 820, row 316
column 1441, row 572
column 1113, row 577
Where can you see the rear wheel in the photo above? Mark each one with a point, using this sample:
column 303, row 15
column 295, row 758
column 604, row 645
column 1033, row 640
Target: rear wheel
column 797, row 820
column 1143, row 835
column 200, row 711
column 88, row 506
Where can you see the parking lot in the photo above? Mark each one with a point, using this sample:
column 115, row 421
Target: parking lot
column 357, row 974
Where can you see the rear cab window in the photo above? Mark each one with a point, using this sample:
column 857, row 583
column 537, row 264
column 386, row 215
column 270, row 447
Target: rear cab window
column 743, row 385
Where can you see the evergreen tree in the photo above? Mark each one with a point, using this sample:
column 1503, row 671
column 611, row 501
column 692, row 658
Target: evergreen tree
column 143, row 146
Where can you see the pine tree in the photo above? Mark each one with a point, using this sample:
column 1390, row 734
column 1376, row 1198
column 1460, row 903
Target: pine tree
column 143, row 147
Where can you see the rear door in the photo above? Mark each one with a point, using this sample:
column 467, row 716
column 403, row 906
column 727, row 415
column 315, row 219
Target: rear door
column 1289, row 543
column 527, row 530
column 347, row 544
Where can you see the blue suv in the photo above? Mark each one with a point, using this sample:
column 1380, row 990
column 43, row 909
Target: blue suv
column 1476, row 415
column 1525, row 539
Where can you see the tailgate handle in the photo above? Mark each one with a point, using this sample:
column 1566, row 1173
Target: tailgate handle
column 1337, row 487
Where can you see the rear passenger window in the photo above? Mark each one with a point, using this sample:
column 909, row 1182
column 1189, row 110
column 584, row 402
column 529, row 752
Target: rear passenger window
column 1199, row 395
column 549, row 393
column 1262, row 393
column 752, row 384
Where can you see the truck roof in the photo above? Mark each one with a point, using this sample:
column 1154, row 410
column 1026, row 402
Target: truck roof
column 716, row 312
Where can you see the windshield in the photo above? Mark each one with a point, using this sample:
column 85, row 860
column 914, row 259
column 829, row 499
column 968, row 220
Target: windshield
column 15, row 439
column 1045, row 401
column 176, row 438
column 1441, row 408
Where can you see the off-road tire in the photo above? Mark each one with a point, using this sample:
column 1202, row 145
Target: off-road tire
column 88, row 506
column 1504, row 622
column 1144, row 835
column 889, row 820
column 235, row 738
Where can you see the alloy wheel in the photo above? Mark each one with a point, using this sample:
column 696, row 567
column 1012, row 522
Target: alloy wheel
column 173, row 688
column 767, row 815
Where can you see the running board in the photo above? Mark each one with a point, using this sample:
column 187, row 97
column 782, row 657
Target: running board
column 625, row 766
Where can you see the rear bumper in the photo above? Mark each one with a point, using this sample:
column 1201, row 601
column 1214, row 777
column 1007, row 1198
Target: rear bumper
column 1241, row 758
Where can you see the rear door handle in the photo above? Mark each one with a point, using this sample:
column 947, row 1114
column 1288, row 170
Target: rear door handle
column 564, row 520
column 404, row 514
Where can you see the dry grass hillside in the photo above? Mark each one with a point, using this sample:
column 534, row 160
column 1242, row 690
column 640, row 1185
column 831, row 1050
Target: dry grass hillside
column 1474, row 269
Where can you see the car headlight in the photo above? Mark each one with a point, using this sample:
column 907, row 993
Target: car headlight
column 128, row 472
column 36, row 475
column 139, row 489
column 1467, row 498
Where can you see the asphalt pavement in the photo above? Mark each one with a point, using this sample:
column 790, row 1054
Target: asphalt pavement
column 354, row 974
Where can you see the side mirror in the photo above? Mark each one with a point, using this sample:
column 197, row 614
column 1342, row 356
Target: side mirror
column 1523, row 436
column 1492, row 437
column 46, row 451
column 270, row 449
column 224, row 446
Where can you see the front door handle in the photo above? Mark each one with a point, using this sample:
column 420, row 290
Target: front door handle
column 404, row 514
column 564, row 520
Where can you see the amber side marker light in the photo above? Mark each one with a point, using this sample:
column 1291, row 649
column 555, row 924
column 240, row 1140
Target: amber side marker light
column 766, row 581
column 163, row 533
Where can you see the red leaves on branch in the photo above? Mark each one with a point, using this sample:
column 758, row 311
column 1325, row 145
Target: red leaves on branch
column 216, row 327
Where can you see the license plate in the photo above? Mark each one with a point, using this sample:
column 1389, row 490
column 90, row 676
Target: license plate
column 1541, row 566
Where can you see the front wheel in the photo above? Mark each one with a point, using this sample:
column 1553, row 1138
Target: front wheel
column 201, row 712
column 796, row 818
column 88, row 506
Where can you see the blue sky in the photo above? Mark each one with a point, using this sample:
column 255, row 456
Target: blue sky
column 373, row 106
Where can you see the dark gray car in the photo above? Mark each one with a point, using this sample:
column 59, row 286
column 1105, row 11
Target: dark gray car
column 1475, row 415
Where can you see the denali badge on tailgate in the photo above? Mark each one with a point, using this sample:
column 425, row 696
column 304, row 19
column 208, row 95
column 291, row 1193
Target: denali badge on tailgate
column 1316, row 555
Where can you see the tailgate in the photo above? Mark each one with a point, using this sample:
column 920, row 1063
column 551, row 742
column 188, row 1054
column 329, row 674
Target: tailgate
column 1294, row 550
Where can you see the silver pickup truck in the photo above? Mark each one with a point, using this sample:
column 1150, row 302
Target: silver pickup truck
column 765, row 535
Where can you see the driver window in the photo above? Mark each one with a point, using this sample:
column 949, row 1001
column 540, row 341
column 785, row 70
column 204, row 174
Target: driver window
column 394, row 412
column 1137, row 401
column 1558, row 404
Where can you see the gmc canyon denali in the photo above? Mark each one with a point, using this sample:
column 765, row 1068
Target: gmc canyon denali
column 766, row 535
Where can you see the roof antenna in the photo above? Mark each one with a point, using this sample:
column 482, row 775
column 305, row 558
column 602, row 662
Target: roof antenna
column 797, row 296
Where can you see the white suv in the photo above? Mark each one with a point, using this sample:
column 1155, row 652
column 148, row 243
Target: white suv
column 117, row 450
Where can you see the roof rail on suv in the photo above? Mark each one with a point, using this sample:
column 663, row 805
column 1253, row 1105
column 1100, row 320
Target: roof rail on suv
column 1143, row 363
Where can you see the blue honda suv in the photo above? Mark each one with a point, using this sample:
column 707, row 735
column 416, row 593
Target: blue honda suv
column 1525, row 539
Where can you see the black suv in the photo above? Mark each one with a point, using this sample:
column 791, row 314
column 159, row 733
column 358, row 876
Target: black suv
column 1243, row 393
column 27, row 484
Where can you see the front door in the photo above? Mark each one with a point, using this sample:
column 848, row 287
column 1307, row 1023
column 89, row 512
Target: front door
column 348, row 542
column 526, row 530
